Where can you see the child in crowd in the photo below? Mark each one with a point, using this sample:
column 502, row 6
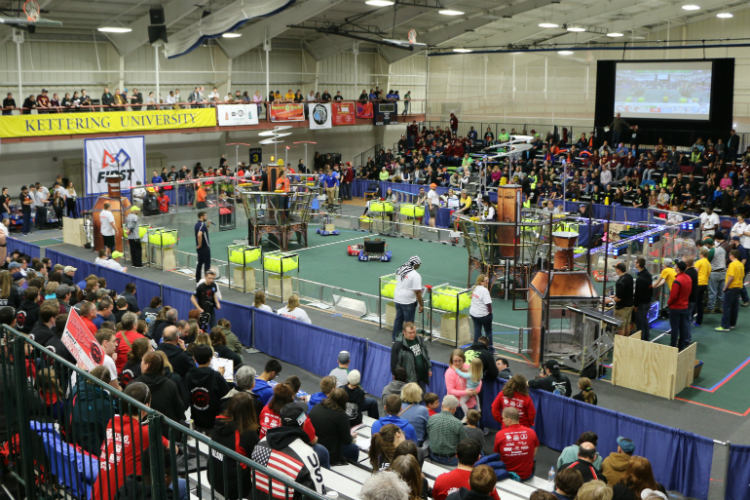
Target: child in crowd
column 472, row 432
column 432, row 402
column 473, row 378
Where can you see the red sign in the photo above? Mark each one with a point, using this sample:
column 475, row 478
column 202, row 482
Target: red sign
column 364, row 110
column 343, row 113
column 81, row 342
column 287, row 112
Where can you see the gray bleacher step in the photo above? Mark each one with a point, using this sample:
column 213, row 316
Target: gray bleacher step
column 341, row 484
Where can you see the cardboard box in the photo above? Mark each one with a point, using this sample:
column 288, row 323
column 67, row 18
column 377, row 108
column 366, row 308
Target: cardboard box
column 448, row 328
column 277, row 288
column 243, row 278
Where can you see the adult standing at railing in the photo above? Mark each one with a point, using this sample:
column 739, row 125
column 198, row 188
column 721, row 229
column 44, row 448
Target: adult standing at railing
column 618, row 126
column 9, row 104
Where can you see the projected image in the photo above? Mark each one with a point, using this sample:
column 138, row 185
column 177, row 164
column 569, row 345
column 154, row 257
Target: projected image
column 666, row 90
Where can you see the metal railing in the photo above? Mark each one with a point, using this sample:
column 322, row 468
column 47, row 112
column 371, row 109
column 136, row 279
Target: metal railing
column 59, row 432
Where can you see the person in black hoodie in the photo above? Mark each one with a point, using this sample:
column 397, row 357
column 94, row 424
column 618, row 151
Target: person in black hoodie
column 132, row 369
column 28, row 312
column 237, row 429
column 174, row 347
column 553, row 381
column 169, row 373
column 165, row 393
column 481, row 348
column 219, row 343
column 206, row 386
column 332, row 427
column 642, row 297
column 55, row 344
column 482, row 482
column 289, row 445
column 42, row 331
column 166, row 317
column 139, row 487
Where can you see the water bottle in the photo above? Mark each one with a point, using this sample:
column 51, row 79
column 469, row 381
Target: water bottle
column 551, row 479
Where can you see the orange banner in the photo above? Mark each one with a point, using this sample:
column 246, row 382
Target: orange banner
column 287, row 112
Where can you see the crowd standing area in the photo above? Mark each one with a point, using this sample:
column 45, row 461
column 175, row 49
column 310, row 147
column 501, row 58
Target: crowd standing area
column 404, row 442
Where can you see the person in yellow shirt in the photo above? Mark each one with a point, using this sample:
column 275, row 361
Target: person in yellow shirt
column 732, row 287
column 289, row 96
column 704, row 272
column 667, row 275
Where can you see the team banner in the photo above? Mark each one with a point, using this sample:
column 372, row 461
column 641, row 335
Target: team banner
column 237, row 114
column 364, row 110
column 103, row 158
column 81, row 342
column 287, row 112
column 107, row 122
column 320, row 116
column 343, row 113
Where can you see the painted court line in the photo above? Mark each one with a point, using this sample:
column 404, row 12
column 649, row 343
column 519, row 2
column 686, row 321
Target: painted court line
column 725, row 379
column 329, row 244
column 715, row 408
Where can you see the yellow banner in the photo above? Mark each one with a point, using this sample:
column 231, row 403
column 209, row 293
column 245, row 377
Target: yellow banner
column 102, row 123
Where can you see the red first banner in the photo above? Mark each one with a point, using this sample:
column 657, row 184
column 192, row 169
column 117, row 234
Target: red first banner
column 364, row 110
column 287, row 112
column 343, row 113
column 81, row 342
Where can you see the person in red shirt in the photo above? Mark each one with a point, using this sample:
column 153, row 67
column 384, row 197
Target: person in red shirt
column 515, row 394
column 88, row 313
column 125, row 339
column 468, row 452
column 163, row 201
column 270, row 416
column 679, row 317
column 125, row 440
column 516, row 444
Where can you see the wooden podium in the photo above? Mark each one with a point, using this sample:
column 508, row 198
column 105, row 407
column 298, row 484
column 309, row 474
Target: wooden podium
column 652, row 368
column 118, row 206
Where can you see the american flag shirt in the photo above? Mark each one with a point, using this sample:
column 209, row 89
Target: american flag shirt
column 284, row 462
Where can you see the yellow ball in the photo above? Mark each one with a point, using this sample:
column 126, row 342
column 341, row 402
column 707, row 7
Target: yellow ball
column 388, row 290
column 162, row 239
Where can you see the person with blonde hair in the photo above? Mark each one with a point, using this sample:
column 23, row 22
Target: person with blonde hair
column 473, row 377
column 481, row 307
column 260, row 301
column 413, row 411
column 292, row 310
column 595, row 490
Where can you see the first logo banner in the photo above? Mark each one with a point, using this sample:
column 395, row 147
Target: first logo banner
column 102, row 123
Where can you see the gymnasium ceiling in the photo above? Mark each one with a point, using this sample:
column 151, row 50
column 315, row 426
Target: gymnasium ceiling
column 483, row 24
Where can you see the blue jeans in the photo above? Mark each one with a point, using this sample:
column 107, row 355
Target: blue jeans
column 482, row 322
column 453, row 461
column 679, row 322
column 26, row 227
column 715, row 289
column 743, row 293
column 182, row 493
column 350, row 452
column 641, row 321
column 371, row 407
column 325, row 458
column 731, row 307
column 404, row 313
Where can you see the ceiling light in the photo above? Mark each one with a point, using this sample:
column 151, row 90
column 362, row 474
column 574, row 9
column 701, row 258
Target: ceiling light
column 114, row 29
column 690, row 7
column 614, row 34
column 462, row 51
column 576, row 29
column 449, row 12
column 548, row 25
column 724, row 15
column 380, row 3
column 231, row 35
column 565, row 52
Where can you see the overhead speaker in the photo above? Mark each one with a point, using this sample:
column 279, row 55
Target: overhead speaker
column 157, row 15
column 156, row 33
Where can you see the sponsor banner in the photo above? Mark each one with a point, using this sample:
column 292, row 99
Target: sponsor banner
column 364, row 110
column 287, row 112
column 81, row 342
column 107, row 122
column 343, row 113
column 113, row 155
column 237, row 114
column 320, row 116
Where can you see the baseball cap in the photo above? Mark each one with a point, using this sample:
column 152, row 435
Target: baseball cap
column 708, row 241
column 649, row 493
column 735, row 238
column 433, row 185
column 44, row 90
column 135, row 209
column 70, row 269
column 719, row 236
column 344, row 357
column 14, row 265
column 116, row 254
column 58, row 267
column 293, row 415
column 552, row 365
column 354, row 377
column 627, row 445
column 63, row 290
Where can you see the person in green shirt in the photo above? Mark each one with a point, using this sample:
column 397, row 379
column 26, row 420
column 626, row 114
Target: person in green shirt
column 445, row 432
column 503, row 136
column 384, row 174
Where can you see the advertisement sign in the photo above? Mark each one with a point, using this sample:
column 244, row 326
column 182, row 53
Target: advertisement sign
column 343, row 113
column 364, row 110
column 231, row 115
column 256, row 155
column 288, row 112
column 125, row 156
column 81, row 342
column 320, row 116
column 107, row 122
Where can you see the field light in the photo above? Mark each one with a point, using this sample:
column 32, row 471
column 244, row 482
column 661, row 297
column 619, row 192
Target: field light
column 690, row 7
column 565, row 52
column 614, row 34
column 114, row 29
column 548, row 25
column 724, row 15
column 379, row 3
column 231, row 35
column 450, row 12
